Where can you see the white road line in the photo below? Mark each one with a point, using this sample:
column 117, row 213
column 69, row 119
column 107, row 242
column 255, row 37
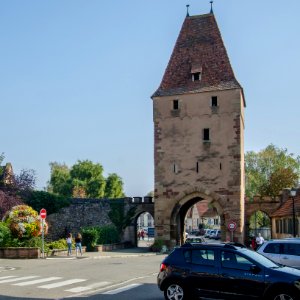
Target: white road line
column 18, row 279
column 88, row 287
column 5, row 277
column 122, row 289
column 36, row 281
column 62, row 283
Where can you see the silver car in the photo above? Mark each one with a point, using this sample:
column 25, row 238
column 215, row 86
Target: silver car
column 284, row 251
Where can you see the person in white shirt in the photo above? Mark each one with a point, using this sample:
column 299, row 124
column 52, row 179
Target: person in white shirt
column 259, row 240
column 69, row 243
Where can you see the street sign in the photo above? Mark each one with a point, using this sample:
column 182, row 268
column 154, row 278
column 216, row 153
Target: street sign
column 231, row 226
column 43, row 213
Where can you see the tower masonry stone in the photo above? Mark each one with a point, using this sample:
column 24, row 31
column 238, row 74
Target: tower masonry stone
column 198, row 115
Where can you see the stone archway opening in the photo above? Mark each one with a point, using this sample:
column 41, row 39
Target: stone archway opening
column 260, row 222
column 194, row 216
column 144, row 230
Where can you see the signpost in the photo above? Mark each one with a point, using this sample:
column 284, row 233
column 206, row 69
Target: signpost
column 231, row 227
column 43, row 215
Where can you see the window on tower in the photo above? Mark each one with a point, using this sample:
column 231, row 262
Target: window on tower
column 196, row 72
column 206, row 134
column 196, row 76
column 214, row 101
column 175, row 104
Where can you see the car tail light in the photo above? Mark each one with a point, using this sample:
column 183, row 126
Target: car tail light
column 163, row 267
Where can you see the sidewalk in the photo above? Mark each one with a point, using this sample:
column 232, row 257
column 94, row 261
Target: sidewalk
column 130, row 252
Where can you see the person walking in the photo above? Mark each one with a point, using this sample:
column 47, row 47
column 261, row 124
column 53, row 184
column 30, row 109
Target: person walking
column 69, row 243
column 78, row 246
column 259, row 240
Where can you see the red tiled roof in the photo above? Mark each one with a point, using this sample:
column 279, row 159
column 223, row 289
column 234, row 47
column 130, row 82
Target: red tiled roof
column 199, row 47
column 286, row 209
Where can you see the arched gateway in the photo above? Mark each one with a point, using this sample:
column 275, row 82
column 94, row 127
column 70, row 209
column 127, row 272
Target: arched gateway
column 198, row 113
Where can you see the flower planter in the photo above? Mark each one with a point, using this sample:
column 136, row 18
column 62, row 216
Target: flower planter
column 20, row 252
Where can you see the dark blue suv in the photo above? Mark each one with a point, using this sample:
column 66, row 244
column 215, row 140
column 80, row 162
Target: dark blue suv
column 225, row 271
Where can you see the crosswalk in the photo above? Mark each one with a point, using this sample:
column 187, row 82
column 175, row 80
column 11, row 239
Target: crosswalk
column 52, row 283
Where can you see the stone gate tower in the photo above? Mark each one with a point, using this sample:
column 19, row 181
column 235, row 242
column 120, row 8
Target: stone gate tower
column 198, row 113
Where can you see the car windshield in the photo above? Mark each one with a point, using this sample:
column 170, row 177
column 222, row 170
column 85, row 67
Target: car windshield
column 261, row 259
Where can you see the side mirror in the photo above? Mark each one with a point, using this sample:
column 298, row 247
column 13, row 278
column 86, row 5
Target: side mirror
column 255, row 269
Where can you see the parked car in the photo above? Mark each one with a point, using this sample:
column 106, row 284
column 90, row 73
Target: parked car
column 225, row 271
column 212, row 233
column 207, row 233
column 283, row 251
column 217, row 235
column 195, row 239
column 194, row 233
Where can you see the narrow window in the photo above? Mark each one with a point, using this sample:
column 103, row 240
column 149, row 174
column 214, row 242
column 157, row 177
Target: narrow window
column 197, row 167
column 214, row 101
column 206, row 134
column 220, row 166
column 175, row 168
column 196, row 76
column 175, row 104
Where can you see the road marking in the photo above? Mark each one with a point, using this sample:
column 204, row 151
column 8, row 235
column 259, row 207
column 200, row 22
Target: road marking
column 88, row 287
column 122, row 289
column 59, row 284
column 18, row 279
column 5, row 277
column 37, row 281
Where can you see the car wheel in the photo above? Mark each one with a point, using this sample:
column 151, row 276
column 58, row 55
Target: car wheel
column 174, row 291
column 283, row 295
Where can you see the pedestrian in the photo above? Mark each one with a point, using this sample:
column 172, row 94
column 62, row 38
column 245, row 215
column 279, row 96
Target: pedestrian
column 78, row 247
column 139, row 235
column 69, row 243
column 253, row 243
column 142, row 234
column 259, row 240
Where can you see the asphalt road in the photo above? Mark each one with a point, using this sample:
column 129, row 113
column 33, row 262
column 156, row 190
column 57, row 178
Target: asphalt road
column 118, row 275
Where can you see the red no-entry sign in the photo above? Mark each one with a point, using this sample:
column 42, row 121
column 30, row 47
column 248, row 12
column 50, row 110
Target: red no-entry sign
column 43, row 213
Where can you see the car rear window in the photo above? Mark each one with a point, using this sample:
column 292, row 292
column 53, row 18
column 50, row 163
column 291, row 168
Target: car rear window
column 291, row 249
column 272, row 248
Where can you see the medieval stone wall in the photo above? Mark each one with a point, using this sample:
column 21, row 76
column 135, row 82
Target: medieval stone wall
column 81, row 213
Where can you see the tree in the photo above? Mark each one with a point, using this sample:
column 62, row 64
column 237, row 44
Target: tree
column 114, row 186
column 84, row 179
column 7, row 201
column 51, row 202
column 60, row 180
column 271, row 170
column 87, row 175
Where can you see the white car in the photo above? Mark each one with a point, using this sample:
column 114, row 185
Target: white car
column 284, row 251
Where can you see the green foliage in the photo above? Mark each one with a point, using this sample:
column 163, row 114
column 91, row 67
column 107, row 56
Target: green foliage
column 60, row 244
column 5, row 235
column 117, row 214
column 84, row 179
column 89, row 237
column 51, row 202
column 157, row 245
column 85, row 174
column 114, row 186
column 107, row 235
column 60, row 180
column 269, row 171
column 259, row 219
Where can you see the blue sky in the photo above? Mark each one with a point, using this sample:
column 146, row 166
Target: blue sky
column 77, row 76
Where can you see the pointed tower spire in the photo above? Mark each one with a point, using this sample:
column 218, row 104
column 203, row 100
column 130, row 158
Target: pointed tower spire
column 187, row 10
column 211, row 7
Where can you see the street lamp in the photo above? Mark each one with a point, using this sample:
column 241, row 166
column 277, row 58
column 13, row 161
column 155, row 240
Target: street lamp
column 293, row 194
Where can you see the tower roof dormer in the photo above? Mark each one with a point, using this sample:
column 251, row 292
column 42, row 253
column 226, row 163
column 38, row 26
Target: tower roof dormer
column 199, row 61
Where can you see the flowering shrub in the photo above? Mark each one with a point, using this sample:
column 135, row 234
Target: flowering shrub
column 24, row 222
